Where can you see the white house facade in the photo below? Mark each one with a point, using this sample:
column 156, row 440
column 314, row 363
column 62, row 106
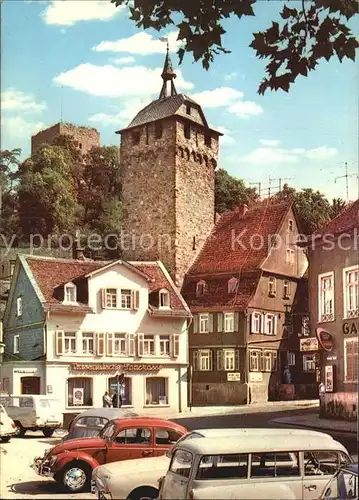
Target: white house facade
column 93, row 321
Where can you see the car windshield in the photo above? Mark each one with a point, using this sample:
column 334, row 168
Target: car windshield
column 108, row 431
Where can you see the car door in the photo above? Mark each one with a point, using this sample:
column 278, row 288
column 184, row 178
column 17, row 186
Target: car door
column 175, row 483
column 129, row 443
column 319, row 468
column 164, row 439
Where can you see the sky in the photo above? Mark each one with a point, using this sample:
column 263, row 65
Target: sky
column 85, row 62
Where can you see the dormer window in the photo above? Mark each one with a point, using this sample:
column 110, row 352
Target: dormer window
column 232, row 285
column 290, row 225
column 164, row 301
column 272, row 287
column 201, row 288
column 70, row 293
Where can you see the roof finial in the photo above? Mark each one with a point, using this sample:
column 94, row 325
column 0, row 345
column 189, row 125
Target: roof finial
column 167, row 74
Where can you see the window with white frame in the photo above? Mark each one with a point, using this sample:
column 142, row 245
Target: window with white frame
column 286, row 289
column 203, row 360
column 19, row 306
column 125, row 389
column 270, row 323
column 69, row 343
column 149, row 345
column 291, row 358
column 308, row 363
column 79, row 391
column 16, row 345
column 87, row 343
column 290, row 256
column 126, row 299
column 165, row 345
column 229, row 359
column 272, row 286
column 201, row 288
column 254, row 360
column 351, row 292
column 351, row 359
column 111, row 298
column 232, row 285
column 156, row 391
column 267, row 361
column 70, row 293
column 164, row 299
column 229, row 322
column 326, row 297
column 204, row 323
column 119, row 344
column 256, row 322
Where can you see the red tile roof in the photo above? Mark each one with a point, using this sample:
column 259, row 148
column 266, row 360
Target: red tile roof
column 225, row 252
column 217, row 296
column 344, row 222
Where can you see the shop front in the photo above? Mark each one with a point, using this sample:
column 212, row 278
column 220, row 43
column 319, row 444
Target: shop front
column 23, row 377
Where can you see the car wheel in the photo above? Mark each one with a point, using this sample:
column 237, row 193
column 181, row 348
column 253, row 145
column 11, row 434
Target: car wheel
column 47, row 432
column 76, row 477
column 144, row 494
column 20, row 431
column 5, row 439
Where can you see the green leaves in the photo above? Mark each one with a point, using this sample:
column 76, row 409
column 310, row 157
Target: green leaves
column 230, row 192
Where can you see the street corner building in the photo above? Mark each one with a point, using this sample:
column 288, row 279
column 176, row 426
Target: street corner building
column 71, row 325
column 333, row 281
column 248, row 295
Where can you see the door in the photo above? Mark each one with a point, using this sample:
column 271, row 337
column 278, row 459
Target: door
column 30, row 385
column 319, row 467
column 176, row 481
column 130, row 443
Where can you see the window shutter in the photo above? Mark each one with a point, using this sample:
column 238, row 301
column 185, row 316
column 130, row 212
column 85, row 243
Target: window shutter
column 236, row 321
column 236, row 359
column 210, row 360
column 275, row 325
column 210, row 323
column 263, row 324
column 109, row 343
column 100, row 347
column 175, row 345
column 219, row 322
column 131, row 344
column 220, row 360
column 59, row 343
column 103, row 298
column 195, row 323
column 135, row 299
column 195, row 360
column 252, row 324
column 140, row 340
column 261, row 361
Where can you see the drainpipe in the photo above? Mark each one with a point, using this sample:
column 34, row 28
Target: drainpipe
column 179, row 391
column 46, row 318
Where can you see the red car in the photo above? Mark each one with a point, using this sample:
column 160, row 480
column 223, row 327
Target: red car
column 71, row 462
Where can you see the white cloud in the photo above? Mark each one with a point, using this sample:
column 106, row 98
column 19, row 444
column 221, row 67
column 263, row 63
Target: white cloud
column 298, row 151
column 141, row 43
column 279, row 156
column 245, row 109
column 69, row 12
column 16, row 100
column 17, row 127
column 123, row 60
column 269, row 143
column 230, row 76
column 321, row 153
column 110, row 81
column 226, row 139
column 127, row 113
column 222, row 96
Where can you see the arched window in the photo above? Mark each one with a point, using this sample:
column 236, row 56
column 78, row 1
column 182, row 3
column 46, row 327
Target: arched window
column 201, row 288
column 232, row 285
column 70, row 293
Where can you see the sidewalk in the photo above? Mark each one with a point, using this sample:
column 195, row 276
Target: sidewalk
column 316, row 423
column 207, row 411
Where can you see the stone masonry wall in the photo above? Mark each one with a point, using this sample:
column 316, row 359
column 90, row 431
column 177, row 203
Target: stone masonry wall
column 87, row 137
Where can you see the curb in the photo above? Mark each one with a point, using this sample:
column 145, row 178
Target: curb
column 316, row 428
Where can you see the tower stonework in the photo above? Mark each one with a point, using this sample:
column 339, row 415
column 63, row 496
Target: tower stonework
column 168, row 160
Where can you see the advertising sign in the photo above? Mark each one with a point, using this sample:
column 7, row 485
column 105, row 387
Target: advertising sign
column 233, row 377
column 78, row 396
column 308, row 344
column 329, row 378
column 325, row 339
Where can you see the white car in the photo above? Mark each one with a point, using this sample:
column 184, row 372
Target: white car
column 138, row 479
column 7, row 426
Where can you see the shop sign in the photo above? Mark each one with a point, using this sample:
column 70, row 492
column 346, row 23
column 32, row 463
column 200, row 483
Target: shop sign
column 104, row 367
column 350, row 328
column 233, row 377
column 308, row 344
column 329, row 378
column 255, row 376
column 326, row 339
column 25, row 370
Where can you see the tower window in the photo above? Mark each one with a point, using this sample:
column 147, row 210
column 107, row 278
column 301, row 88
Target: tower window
column 188, row 109
column 158, row 130
column 147, row 135
column 187, row 131
column 136, row 136
column 208, row 140
column 194, row 243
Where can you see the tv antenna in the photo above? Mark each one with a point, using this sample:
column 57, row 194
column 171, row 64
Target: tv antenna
column 346, row 176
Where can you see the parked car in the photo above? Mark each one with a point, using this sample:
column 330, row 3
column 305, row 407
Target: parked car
column 291, row 467
column 344, row 484
column 89, row 423
column 7, row 426
column 138, row 479
column 71, row 462
column 33, row 412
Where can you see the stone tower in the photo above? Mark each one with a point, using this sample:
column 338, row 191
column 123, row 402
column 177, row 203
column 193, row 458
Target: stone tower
column 168, row 159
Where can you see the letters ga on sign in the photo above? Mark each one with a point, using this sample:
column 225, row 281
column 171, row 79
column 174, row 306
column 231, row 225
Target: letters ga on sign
column 233, row 377
column 309, row 344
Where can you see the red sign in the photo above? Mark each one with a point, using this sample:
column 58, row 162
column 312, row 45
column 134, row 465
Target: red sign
column 325, row 339
column 104, row 367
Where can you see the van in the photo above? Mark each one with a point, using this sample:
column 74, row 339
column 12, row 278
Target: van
column 275, row 467
column 33, row 412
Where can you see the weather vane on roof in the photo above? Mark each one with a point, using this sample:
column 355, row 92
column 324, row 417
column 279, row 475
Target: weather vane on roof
column 165, row 39
column 168, row 75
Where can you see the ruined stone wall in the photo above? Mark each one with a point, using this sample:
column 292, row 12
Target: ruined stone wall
column 87, row 137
